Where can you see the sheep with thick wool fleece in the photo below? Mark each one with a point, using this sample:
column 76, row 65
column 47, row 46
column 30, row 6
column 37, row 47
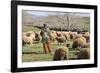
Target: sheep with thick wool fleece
column 61, row 54
column 84, row 53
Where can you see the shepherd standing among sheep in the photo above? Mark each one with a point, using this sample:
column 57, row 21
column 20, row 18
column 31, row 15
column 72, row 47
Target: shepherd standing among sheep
column 45, row 33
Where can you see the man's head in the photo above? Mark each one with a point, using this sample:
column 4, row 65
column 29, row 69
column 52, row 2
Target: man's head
column 44, row 25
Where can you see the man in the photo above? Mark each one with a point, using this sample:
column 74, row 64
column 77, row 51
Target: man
column 45, row 33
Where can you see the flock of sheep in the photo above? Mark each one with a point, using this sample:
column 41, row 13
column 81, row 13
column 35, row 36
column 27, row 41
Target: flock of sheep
column 80, row 40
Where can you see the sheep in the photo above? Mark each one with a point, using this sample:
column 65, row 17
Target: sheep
column 79, row 35
column 66, row 34
column 75, row 33
column 28, row 39
column 59, row 33
column 72, row 35
column 37, row 32
column 87, row 45
column 79, row 42
column 87, row 36
column 84, row 39
column 61, row 39
column 32, row 35
column 53, row 35
column 84, row 53
column 61, row 54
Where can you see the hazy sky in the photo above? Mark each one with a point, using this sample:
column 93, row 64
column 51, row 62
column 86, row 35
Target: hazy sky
column 42, row 13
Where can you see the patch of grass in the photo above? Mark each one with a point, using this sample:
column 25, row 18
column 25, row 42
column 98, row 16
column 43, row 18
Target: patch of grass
column 29, row 28
column 37, row 57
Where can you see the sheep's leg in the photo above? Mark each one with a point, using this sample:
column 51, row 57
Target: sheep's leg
column 31, row 44
column 26, row 44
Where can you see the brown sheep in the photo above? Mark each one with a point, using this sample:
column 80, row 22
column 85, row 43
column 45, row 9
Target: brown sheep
column 72, row 35
column 87, row 45
column 61, row 39
column 79, row 42
column 84, row 53
column 61, row 54
column 66, row 34
column 87, row 36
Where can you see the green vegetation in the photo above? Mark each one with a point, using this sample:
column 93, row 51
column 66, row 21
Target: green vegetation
column 29, row 28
